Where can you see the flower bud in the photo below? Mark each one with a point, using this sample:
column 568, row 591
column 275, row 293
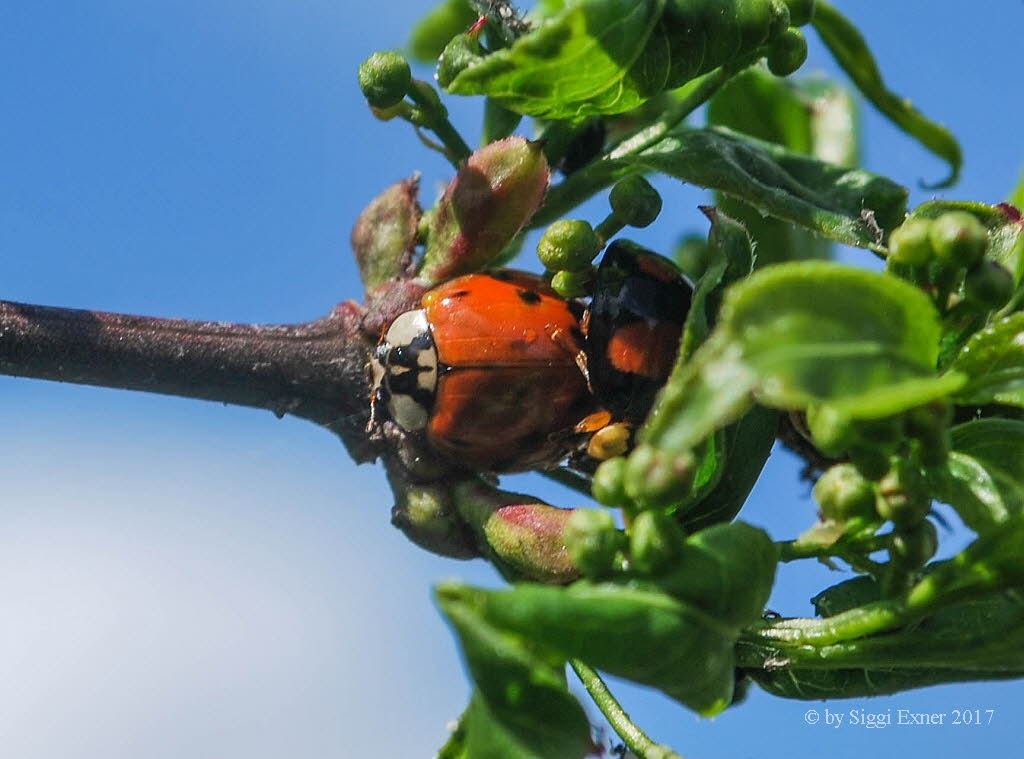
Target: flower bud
column 635, row 202
column 494, row 194
column 572, row 284
column 843, row 493
column 959, row 238
column 384, row 235
column 657, row 478
column 384, row 78
column 607, row 484
column 832, row 431
column 593, row 541
column 988, row 284
column 655, row 542
column 902, row 495
column 427, row 517
column 800, row 12
column 463, row 51
column 913, row 548
column 568, row 245
column 787, row 53
column 524, row 536
column 910, row 243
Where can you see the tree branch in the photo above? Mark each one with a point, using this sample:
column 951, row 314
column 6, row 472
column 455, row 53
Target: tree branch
column 315, row 370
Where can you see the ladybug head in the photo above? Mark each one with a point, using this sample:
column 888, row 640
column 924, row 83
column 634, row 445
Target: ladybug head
column 404, row 368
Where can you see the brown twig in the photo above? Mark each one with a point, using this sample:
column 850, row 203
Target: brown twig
column 314, row 370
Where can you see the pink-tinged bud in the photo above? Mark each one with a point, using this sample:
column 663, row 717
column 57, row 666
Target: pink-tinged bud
column 491, row 198
column 384, row 235
column 522, row 534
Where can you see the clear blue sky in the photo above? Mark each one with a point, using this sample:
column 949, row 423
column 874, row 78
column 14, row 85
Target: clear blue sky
column 183, row 579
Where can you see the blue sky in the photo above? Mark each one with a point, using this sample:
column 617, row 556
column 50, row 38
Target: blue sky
column 180, row 578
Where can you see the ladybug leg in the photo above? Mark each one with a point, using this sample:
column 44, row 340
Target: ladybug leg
column 571, row 345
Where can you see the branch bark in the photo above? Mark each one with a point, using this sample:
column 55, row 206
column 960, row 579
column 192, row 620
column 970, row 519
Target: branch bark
column 315, row 370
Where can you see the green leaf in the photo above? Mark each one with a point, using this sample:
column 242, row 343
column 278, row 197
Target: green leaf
column 851, row 52
column 437, row 27
column 678, row 641
column 748, row 444
column 984, row 478
column 572, row 66
column 726, row 570
column 829, row 200
column 993, row 362
column 1017, row 196
column 521, row 708
column 814, row 117
column 609, row 56
column 729, row 258
column 802, row 333
column 643, row 635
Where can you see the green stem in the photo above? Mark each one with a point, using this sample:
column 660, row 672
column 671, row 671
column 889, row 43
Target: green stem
column 575, row 189
column 635, row 738
column 570, row 479
column 456, row 148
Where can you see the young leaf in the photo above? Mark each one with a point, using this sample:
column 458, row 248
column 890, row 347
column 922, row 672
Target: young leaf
column 521, row 708
column 851, row 52
column 573, row 66
column 814, row 117
column 993, row 363
column 985, row 473
column 609, row 56
column 803, row 333
column 829, row 200
column 437, row 27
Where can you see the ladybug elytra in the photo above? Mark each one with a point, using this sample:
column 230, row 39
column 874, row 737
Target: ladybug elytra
column 500, row 375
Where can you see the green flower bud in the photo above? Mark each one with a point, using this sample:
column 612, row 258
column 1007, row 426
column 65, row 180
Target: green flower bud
column 910, row 243
column 568, row 245
column 656, row 478
column 929, row 424
column 428, row 518
column 655, row 542
column 959, row 238
column 800, row 12
column 385, row 233
column 573, row 284
column 494, row 194
column 843, row 493
column 914, row 548
column 463, row 51
column 385, row 78
column 870, row 462
column 635, row 202
column 902, row 495
column 607, row 485
column 833, row 432
column 988, row 284
column 787, row 53
column 593, row 541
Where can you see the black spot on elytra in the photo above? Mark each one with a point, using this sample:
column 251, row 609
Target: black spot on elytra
column 458, row 294
column 502, row 275
column 529, row 297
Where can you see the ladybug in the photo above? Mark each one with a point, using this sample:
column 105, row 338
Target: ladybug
column 491, row 368
column 633, row 328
